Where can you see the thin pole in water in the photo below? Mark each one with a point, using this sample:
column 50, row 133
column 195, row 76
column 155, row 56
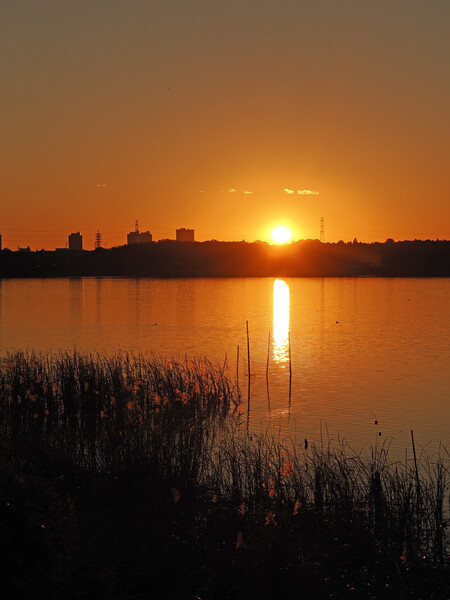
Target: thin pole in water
column 248, row 367
column 290, row 372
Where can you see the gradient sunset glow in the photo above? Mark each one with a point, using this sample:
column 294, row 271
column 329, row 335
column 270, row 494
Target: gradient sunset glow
column 224, row 117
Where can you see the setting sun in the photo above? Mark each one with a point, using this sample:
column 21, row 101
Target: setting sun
column 281, row 234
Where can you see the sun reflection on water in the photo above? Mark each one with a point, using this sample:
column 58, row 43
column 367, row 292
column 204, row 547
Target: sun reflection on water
column 280, row 321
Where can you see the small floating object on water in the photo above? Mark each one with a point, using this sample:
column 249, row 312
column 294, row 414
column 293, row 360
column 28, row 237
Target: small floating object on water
column 337, row 322
column 376, row 422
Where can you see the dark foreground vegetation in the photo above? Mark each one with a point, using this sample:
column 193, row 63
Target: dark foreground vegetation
column 306, row 258
column 130, row 477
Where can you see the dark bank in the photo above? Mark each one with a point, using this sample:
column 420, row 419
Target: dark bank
column 307, row 258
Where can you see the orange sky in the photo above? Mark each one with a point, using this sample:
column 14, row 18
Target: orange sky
column 114, row 111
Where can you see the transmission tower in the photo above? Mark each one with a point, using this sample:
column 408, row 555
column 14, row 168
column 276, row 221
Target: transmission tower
column 136, row 226
column 322, row 229
column 98, row 240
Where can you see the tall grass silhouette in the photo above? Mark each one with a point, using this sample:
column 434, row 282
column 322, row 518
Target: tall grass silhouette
column 125, row 473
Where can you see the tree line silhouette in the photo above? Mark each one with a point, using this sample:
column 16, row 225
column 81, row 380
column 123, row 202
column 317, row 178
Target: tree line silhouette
column 306, row 258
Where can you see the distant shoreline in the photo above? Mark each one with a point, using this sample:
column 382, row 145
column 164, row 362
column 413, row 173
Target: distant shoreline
column 171, row 259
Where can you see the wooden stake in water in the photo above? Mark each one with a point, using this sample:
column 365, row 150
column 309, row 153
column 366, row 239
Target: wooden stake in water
column 237, row 367
column 248, row 367
column 290, row 371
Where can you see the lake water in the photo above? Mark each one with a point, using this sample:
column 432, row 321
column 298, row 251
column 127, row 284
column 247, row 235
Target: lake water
column 362, row 350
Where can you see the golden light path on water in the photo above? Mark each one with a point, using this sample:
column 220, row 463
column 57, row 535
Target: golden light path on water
column 280, row 321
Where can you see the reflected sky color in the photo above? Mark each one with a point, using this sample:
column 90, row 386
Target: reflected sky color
column 386, row 359
column 280, row 321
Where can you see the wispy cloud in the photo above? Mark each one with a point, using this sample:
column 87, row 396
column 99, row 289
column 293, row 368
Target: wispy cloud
column 102, row 185
column 232, row 191
column 202, row 191
column 301, row 192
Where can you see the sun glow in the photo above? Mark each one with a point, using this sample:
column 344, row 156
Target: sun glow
column 281, row 234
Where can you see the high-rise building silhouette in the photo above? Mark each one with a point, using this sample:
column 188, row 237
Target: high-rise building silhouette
column 75, row 241
column 185, row 235
column 145, row 236
column 322, row 229
column 134, row 237
column 98, row 240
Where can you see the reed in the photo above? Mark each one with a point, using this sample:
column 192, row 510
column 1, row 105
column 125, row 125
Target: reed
column 127, row 473
column 100, row 410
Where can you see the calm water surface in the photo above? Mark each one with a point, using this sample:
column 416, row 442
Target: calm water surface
column 362, row 350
